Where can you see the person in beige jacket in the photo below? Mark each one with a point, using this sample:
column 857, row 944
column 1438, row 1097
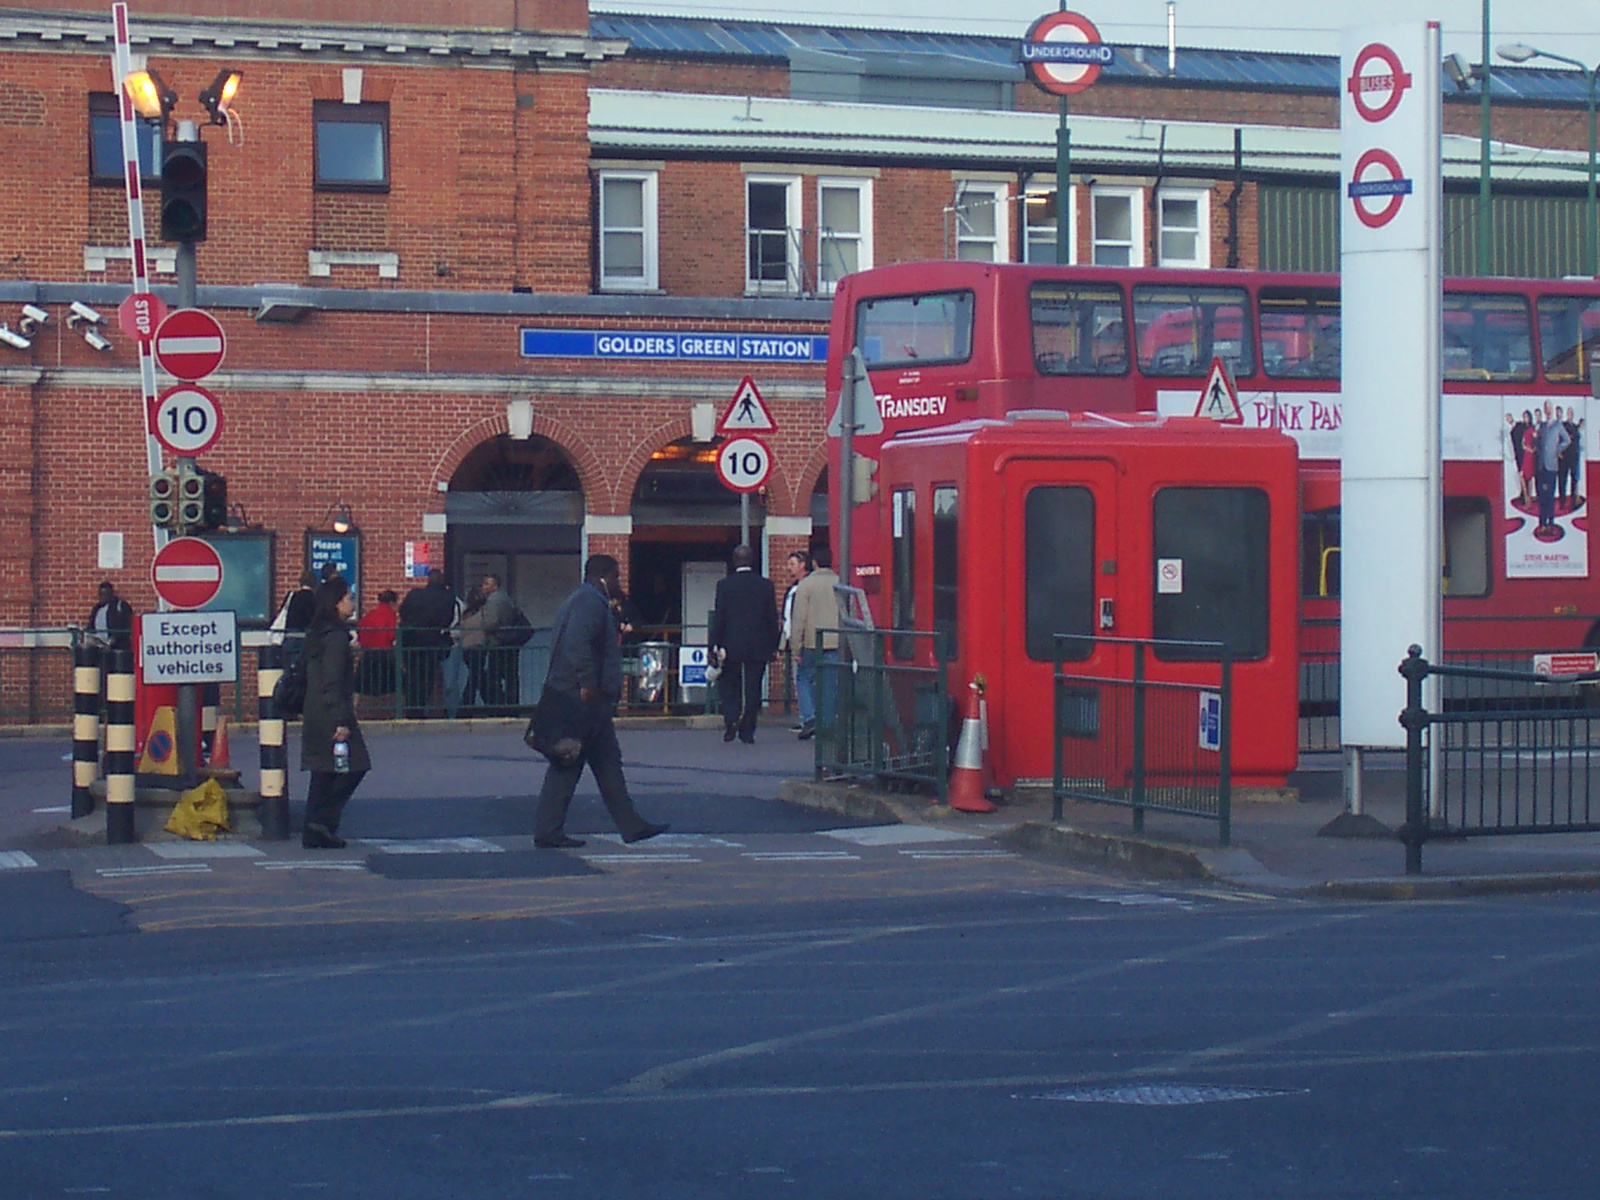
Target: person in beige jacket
column 816, row 608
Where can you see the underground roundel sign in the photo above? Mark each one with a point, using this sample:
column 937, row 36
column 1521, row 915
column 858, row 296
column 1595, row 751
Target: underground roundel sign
column 1377, row 188
column 1063, row 53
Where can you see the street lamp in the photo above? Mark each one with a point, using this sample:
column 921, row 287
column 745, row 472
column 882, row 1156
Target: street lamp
column 1517, row 52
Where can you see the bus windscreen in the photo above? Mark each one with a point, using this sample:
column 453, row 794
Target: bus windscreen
column 920, row 330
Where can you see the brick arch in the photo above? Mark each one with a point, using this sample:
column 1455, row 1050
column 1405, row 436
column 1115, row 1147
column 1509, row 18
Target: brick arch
column 816, row 463
column 639, row 458
column 591, row 478
column 777, row 486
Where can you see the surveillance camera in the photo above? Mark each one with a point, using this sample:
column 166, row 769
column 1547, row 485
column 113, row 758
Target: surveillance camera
column 94, row 339
column 35, row 314
column 83, row 312
column 12, row 338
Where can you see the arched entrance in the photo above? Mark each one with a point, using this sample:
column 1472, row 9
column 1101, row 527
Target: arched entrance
column 515, row 509
column 685, row 524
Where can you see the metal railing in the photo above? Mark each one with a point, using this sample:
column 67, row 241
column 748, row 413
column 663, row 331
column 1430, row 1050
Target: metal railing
column 1140, row 743
column 883, row 721
column 1522, row 764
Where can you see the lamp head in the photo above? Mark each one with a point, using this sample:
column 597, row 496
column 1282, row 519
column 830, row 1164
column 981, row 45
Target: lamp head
column 218, row 98
column 151, row 96
column 1516, row 52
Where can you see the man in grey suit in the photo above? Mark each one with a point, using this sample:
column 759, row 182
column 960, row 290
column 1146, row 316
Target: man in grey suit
column 586, row 666
column 744, row 628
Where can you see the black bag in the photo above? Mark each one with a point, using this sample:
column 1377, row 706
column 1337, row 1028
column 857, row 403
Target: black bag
column 289, row 693
column 517, row 630
column 559, row 724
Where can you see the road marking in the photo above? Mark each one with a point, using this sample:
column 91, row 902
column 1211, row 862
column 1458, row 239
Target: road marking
column 54, row 808
column 801, row 855
column 172, row 850
column 960, row 854
column 639, row 858
column 1168, row 1093
column 896, row 835
column 342, row 865
column 685, row 841
column 177, row 868
column 14, row 859
column 456, row 845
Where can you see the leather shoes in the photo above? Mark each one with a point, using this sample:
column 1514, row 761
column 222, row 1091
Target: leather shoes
column 320, row 837
column 807, row 731
column 649, row 831
column 749, row 739
column 728, row 734
column 561, row 843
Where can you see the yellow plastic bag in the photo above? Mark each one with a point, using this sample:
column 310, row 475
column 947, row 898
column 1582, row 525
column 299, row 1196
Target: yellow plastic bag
column 201, row 813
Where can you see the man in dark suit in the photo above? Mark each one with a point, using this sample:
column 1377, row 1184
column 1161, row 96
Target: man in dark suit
column 744, row 628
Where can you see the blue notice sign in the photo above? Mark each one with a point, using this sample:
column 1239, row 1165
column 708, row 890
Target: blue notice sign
column 691, row 346
column 1211, row 721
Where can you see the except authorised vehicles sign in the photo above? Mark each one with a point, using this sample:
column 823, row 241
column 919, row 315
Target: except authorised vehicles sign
column 181, row 647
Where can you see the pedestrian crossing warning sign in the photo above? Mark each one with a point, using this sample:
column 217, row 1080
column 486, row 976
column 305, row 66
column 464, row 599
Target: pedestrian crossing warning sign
column 1219, row 399
column 747, row 413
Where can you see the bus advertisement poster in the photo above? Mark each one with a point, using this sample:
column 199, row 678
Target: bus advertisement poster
column 1546, row 451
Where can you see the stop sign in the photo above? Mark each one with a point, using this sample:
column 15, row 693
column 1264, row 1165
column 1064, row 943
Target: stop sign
column 187, row 573
column 141, row 314
column 190, row 344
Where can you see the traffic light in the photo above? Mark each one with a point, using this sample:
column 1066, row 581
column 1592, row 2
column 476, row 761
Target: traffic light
column 202, row 498
column 164, row 499
column 183, row 191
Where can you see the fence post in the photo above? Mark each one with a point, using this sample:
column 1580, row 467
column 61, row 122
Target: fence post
column 941, row 704
column 85, row 724
column 1138, row 737
column 1414, row 720
column 1055, row 730
column 120, row 738
column 1225, row 767
column 274, row 754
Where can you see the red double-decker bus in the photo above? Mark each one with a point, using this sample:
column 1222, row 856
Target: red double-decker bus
column 947, row 341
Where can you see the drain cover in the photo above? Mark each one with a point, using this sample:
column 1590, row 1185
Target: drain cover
column 1166, row 1093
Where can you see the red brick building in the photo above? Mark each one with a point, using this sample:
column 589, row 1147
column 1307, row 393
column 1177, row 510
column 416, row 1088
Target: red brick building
column 430, row 234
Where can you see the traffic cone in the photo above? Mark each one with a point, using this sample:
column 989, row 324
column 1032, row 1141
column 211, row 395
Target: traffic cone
column 161, row 744
column 219, row 743
column 968, row 775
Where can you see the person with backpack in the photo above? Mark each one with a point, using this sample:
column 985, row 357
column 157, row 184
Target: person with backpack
column 331, row 745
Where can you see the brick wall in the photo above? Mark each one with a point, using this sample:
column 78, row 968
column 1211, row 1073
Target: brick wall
column 568, row 16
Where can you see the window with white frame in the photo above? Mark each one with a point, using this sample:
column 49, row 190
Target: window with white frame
column 772, row 233
column 844, row 229
column 982, row 230
column 628, row 230
column 1184, row 229
column 1039, row 211
column 1117, row 217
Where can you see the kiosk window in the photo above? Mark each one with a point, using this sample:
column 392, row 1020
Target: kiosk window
column 1219, row 537
column 946, row 548
column 903, row 597
column 1058, row 537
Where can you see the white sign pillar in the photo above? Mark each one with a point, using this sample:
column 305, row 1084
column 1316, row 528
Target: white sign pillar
column 1391, row 489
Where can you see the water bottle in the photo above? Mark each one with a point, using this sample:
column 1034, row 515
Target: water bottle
column 341, row 756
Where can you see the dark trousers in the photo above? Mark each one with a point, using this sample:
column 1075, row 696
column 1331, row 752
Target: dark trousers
column 739, row 693
column 330, row 791
column 1544, row 483
column 604, row 756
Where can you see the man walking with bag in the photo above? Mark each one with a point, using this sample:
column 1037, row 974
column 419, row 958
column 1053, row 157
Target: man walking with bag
column 744, row 627
column 582, row 687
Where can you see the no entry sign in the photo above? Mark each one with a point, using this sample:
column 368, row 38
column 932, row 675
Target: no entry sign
column 190, row 344
column 187, row 573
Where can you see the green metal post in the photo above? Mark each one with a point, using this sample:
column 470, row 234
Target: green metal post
column 1063, row 188
column 1485, row 213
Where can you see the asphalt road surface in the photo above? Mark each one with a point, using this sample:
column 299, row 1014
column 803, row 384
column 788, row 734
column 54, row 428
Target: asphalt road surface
column 781, row 1005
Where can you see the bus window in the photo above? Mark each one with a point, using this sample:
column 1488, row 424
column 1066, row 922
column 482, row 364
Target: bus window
column 903, row 598
column 1487, row 337
column 1569, row 336
column 1299, row 333
column 1319, row 554
column 1079, row 329
column 1219, row 535
column 1058, row 567
column 946, row 548
column 1466, row 546
column 1180, row 330
column 898, row 331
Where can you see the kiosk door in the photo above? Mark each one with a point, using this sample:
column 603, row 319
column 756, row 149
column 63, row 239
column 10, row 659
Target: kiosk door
column 1061, row 576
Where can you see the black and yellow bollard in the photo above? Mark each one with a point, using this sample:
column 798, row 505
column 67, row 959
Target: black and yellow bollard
column 85, row 725
column 274, row 754
column 210, row 702
column 120, row 737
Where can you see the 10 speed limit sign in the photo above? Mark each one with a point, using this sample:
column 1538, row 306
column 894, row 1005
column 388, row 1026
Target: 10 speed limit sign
column 744, row 463
column 187, row 420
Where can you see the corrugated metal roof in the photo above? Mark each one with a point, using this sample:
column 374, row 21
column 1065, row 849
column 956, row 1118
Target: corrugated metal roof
column 772, row 41
column 655, row 123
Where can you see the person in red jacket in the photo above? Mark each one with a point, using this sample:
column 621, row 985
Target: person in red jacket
column 375, row 635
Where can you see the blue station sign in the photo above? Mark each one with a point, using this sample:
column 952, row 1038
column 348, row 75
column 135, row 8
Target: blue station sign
column 681, row 345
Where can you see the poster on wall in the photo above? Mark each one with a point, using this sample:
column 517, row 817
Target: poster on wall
column 1545, row 450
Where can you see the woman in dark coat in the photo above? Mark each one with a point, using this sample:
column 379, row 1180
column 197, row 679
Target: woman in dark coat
column 330, row 716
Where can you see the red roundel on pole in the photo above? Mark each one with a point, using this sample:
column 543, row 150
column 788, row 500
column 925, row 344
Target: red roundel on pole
column 1391, row 83
column 1396, row 187
column 190, row 344
column 187, row 573
column 1064, row 53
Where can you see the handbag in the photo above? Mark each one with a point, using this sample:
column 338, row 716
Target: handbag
column 560, row 720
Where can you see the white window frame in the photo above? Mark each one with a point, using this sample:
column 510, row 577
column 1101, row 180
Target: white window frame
column 1202, row 197
column 1135, row 199
column 998, row 197
column 650, row 280
column 790, row 284
column 1072, row 224
column 863, row 190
